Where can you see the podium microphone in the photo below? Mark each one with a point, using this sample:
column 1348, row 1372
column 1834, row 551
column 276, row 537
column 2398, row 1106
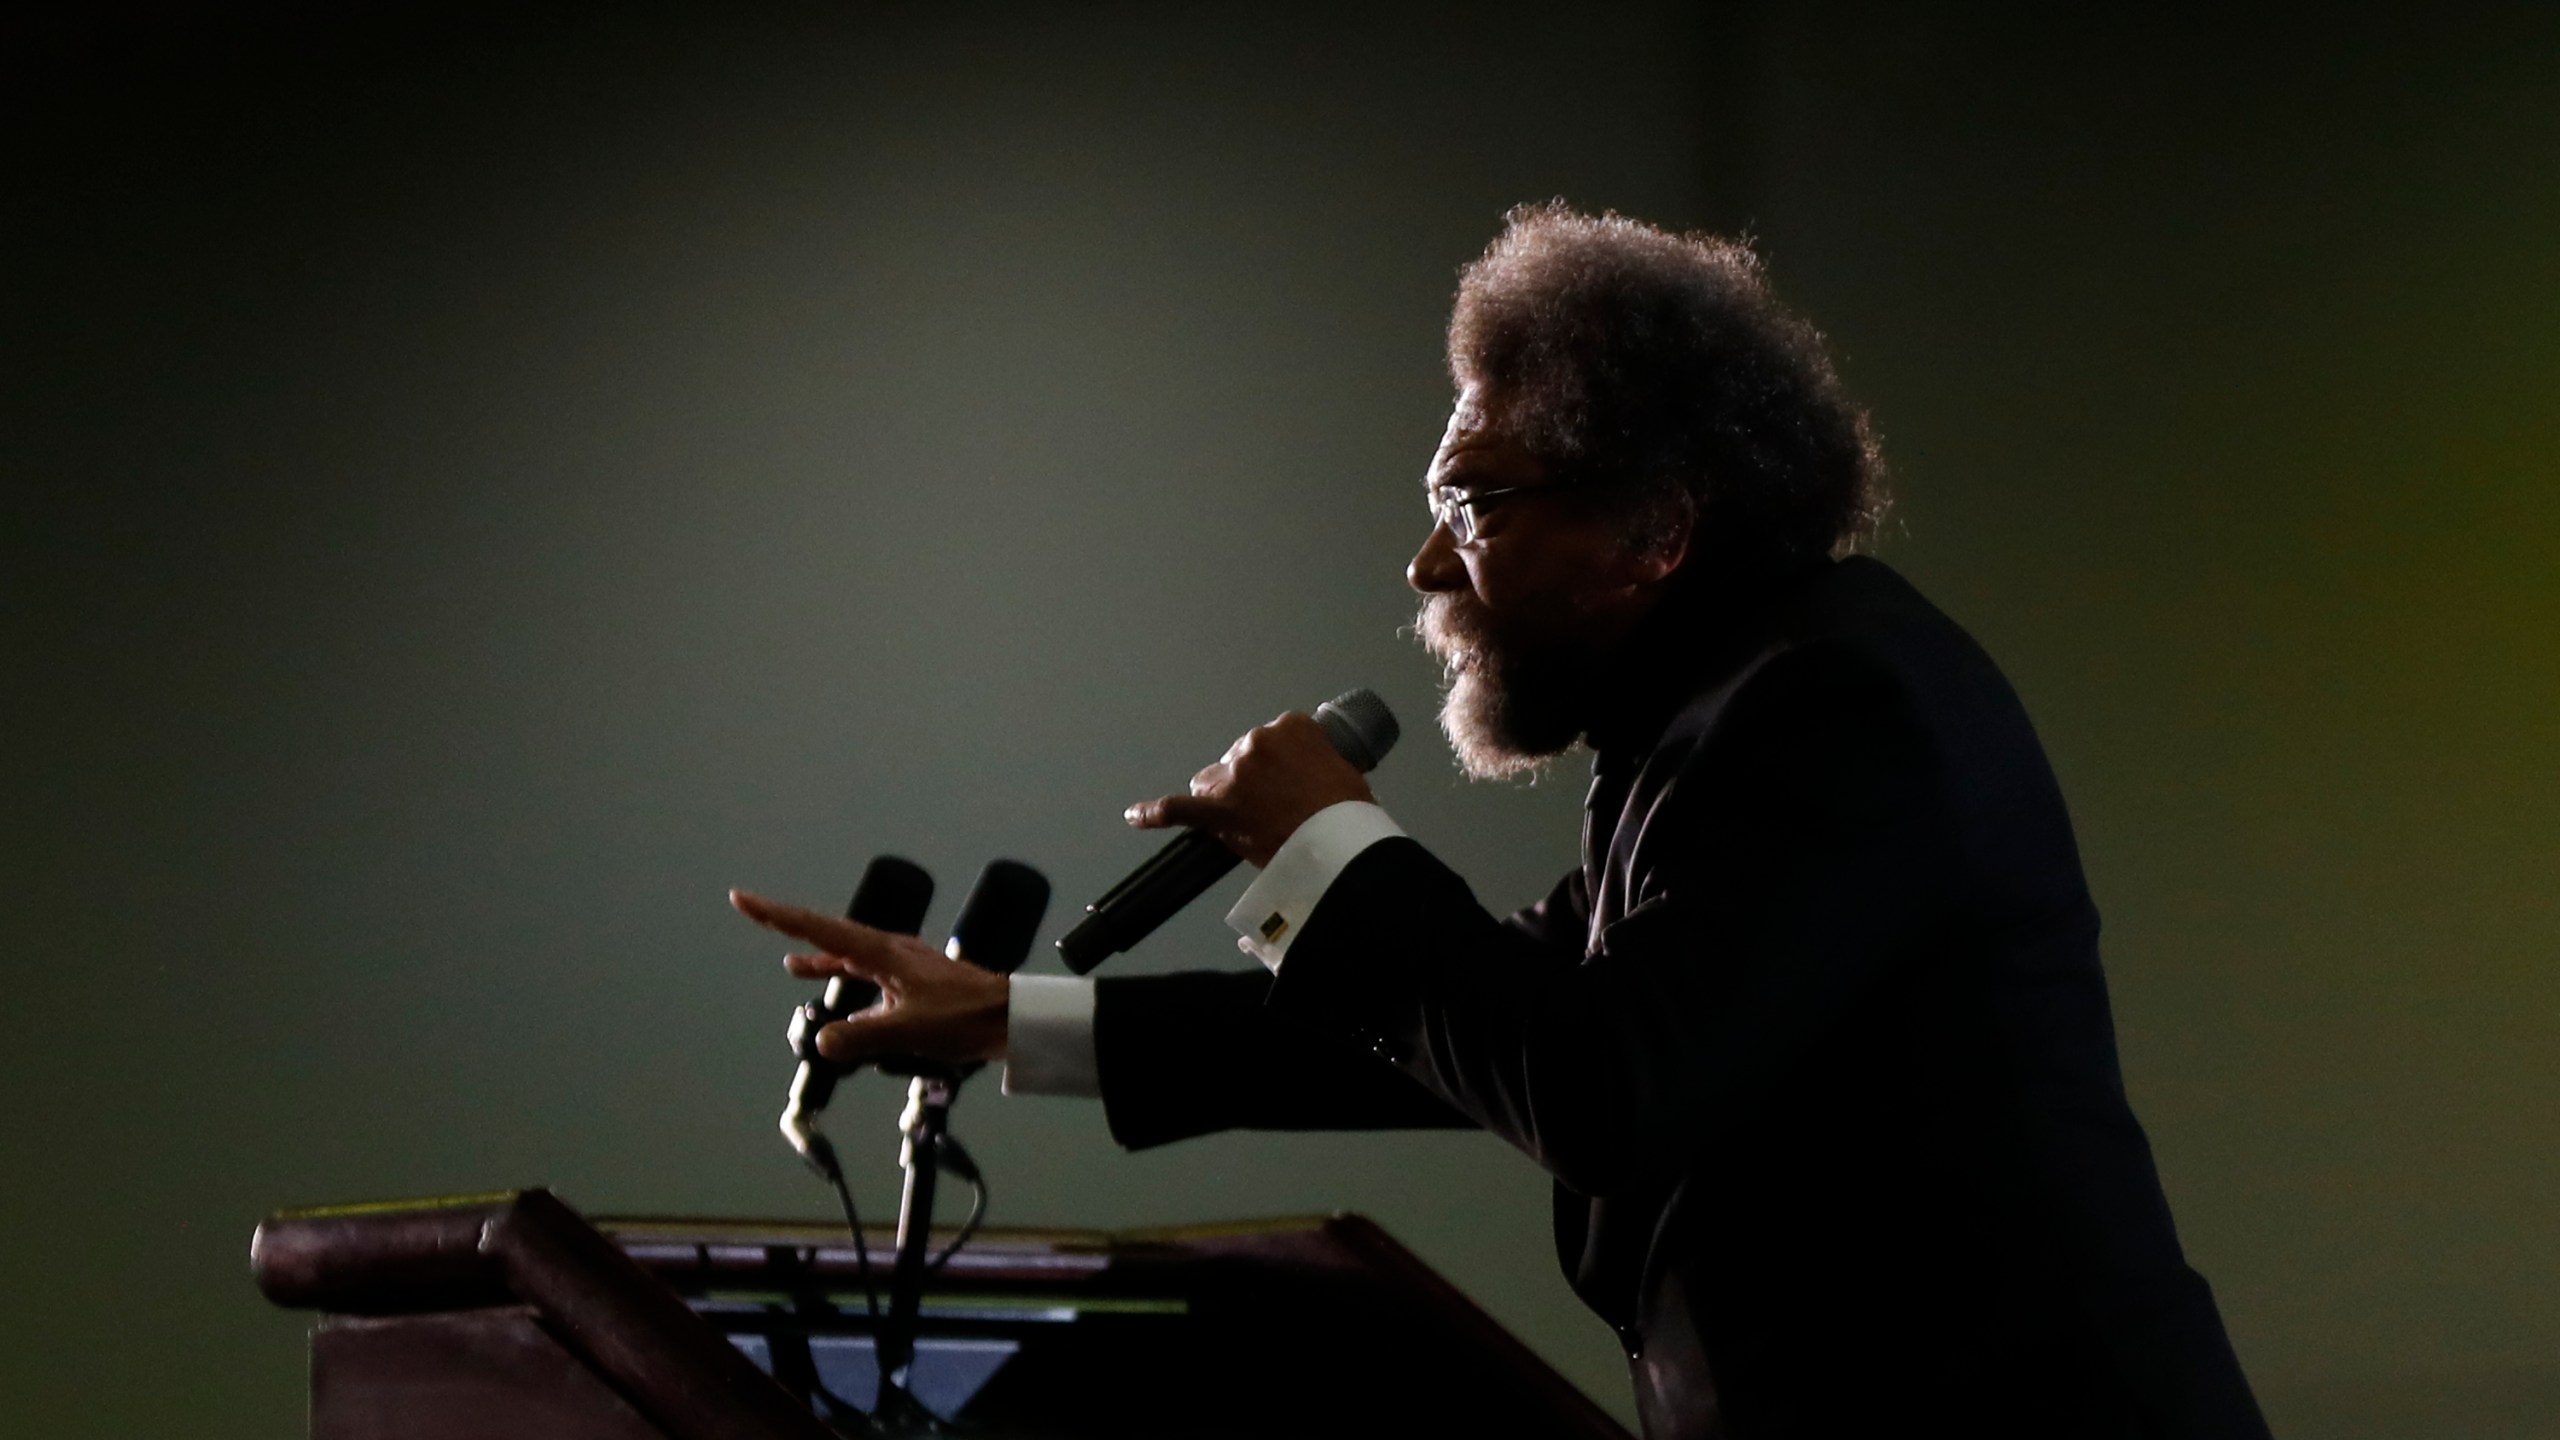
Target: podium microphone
column 1362, row 730
column 998, row 920
column 892, row 896
column 994, row 933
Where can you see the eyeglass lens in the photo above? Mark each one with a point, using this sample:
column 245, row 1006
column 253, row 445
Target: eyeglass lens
column 1456, row 511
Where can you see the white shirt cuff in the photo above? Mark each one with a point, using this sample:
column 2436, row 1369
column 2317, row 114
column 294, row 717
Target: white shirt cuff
column 1276, row 905
column 1049, row 1037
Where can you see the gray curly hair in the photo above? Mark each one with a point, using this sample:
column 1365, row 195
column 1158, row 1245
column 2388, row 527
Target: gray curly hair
column 1620, row 353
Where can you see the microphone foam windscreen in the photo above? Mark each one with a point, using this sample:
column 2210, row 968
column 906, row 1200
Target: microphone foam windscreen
column 1361, row 727
column 893, row 896
column 1000, row 916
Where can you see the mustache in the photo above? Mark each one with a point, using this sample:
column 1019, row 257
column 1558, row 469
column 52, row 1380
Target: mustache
column 1455, row 630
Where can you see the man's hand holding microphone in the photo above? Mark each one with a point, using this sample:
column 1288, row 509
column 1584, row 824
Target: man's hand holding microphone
column 1270, row 782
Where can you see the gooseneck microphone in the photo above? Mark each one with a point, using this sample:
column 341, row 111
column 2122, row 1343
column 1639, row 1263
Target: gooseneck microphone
column 893, row 896
column 1362, row 730
column 993, row 933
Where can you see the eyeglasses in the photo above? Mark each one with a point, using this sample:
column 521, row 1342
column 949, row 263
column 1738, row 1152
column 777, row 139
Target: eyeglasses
column 1455, row 507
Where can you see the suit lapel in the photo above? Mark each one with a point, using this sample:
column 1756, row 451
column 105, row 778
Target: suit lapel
column 1624, row 790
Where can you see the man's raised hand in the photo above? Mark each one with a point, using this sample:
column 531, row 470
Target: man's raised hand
column 930, row 1006
column 1267, row 785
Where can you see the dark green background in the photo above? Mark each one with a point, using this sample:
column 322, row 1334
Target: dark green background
column 476, row 486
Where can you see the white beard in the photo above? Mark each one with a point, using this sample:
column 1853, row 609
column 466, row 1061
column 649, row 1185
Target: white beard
column 1500, row 722
column 1471, row 716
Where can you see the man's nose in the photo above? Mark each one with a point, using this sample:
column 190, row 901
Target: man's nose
column 1436, row 567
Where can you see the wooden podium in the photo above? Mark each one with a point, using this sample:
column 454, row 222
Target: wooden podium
column 510, row 1315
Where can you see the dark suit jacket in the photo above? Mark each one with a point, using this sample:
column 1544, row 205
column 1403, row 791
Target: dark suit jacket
column 1815, row 1045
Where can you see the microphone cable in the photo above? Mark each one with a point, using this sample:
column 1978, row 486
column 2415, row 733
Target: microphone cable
column 853, row 1225
column 955, row 1158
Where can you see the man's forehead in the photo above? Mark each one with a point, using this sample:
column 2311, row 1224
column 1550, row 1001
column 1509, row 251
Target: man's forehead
column 1474, row 432
column 1470, row 417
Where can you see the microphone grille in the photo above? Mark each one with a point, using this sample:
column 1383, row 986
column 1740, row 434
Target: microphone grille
column 893, row 896
column 1360, row 725
column 1000, row 916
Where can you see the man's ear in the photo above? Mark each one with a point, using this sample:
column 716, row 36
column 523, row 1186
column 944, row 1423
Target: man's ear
column 1668, row 546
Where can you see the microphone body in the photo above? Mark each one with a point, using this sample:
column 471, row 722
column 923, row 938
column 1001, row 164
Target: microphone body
column 893, row 896
column 1362, row 730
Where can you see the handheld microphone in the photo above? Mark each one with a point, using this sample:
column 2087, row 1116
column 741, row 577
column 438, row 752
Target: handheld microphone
column 1362, row 730
column 892, row 896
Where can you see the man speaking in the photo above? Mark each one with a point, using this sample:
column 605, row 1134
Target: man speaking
column 1815, row 1043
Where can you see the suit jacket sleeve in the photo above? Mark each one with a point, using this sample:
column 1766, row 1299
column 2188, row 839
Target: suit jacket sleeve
column 1789, row 855
column 1198, row 1052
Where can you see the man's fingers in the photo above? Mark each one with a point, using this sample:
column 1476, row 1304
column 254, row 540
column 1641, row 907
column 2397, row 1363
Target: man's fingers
column 859, row 1037
column 885, row 1030
column 875, row 952
column 795, row 921
column 1198, row 811
column 827, row 967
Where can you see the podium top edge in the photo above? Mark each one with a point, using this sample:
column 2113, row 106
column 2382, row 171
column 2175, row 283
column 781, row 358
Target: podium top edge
column 389, row 1207
column 738, row 1230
